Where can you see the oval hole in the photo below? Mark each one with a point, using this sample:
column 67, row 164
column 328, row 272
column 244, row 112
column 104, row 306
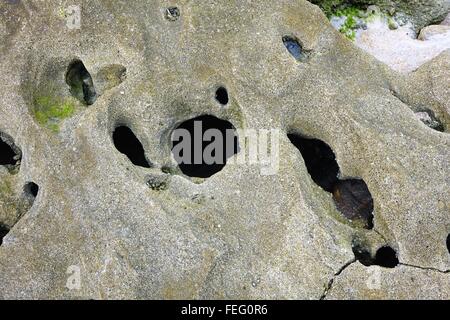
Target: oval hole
column 202, row 145
column 127, row 143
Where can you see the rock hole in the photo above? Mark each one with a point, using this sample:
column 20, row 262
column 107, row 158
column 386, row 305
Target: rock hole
column 202, row 145
column 295, row 48
column 351, row 196
column 362, row 254
column 222, row 96
column 385, row 257
column 10, row 154
column 319, row 160
column 172, row 13
column 127, row 143
column 429, row 118
column 80, row 82
column 4, row 230
column 7, row 154
column 31, row 189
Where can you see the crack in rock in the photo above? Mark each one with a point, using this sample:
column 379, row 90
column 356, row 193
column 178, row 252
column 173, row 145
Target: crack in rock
column 330, row 283
column 424, row 268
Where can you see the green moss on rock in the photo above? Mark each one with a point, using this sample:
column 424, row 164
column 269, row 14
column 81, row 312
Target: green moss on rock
column 49, row 111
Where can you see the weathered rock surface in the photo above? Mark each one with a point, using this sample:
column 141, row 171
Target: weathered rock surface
column 420, row 12
column 237, row 234
column 399, row 48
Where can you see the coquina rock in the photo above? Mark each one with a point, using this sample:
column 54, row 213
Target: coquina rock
column 419, row 12
column 359, row 206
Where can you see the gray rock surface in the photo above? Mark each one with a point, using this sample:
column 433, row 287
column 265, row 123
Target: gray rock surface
column 420, row 12
column 237, row 234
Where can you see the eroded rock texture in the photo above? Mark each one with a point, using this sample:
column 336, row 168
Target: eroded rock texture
column 419, row 12
column 149, row 231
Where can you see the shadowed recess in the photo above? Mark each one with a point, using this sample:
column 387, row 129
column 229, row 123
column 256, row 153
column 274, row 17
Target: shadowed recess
column 31, row 189
column 127, row 143
column 448, row 243
column 172, row 13
column 222, row 96
column 3, row 232
column 429, row 118
column 385, row 256
column 10, row 154
column 7, row 154
column 295, row 48
column 351, row 196
column 196, row 165
column 319, row 159
column 80, row 82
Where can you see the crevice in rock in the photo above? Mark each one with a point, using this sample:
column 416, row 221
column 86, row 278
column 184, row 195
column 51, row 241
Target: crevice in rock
column 429, row 118
column 80, row 82
column 448, row 243
column 424, row 268
column 425, row 115
column 330, row 283
column 127, row 143
column 351, row 196
column 4, row 230
column 222, row 96
column 202, row 145
column 295, row 48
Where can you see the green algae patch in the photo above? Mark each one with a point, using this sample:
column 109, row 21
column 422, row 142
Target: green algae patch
column 50, row 111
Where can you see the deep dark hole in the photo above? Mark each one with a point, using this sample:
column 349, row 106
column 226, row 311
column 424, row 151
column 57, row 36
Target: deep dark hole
column 7, row 154
column 386, row 257
column 222, row 96
column 295, row 48
column 351, row 196
column 193, row 163
column 319, row 160
column 3, row 232
column 448, row 243
column 31, row 189
column 127, row 143
column 81, row 83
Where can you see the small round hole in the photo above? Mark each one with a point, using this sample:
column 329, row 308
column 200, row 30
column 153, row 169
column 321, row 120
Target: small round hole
column 31, row 189
column 386, row 257
column 222, row 96
column 201, row 157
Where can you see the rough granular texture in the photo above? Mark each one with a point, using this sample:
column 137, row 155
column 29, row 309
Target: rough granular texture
column 101, row 227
